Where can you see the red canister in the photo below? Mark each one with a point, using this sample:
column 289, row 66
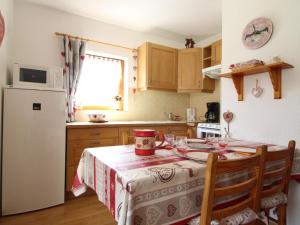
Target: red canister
column 145, row 141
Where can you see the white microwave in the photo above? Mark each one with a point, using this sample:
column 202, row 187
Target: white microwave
column 29, row 76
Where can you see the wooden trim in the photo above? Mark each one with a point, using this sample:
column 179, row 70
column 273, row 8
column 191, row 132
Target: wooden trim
column 228, row 166
column 275, row 173
column 274, row 190
column 121, row 86
column 208, row 197
column 234, row 189
column 222, row 213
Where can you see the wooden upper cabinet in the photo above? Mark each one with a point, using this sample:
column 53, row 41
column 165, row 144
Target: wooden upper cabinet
column 212, row 55
column 216, row 53
column 157, row 67
column 189, row 70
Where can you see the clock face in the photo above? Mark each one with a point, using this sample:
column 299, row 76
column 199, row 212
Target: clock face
column 257, row 33
column 2, row 28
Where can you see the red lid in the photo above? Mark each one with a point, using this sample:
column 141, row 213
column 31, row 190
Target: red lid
column 144, row 133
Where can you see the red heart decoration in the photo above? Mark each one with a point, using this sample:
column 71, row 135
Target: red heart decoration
column 2, row 28
column 228, row 116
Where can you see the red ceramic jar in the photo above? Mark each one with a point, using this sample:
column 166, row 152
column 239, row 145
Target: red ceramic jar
column 144, row 141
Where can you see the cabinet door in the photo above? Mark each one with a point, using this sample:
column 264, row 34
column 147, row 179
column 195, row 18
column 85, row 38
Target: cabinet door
column 189, row 69
column 178, row 130
column 74, row 152
column 216, row 52
column 162, row 67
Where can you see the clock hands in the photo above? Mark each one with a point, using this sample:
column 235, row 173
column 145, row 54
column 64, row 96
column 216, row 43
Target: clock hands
column 256, row 32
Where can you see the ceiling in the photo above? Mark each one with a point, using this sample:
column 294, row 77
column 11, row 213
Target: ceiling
column 185, row 18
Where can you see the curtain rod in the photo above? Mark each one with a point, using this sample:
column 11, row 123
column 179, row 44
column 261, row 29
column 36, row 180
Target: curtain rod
column 94, row 41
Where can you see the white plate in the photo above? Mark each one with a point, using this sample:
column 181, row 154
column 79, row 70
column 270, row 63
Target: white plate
column 196, row 140
column 201, row 156
column 197, row 156
column 200, row 146
column 242, row 149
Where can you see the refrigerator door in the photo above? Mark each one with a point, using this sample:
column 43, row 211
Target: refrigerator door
column 33, row 150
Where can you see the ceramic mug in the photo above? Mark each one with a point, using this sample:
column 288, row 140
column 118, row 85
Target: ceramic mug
column 145, row 141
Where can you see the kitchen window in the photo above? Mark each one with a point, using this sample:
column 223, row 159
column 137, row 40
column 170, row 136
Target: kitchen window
column 101, row 85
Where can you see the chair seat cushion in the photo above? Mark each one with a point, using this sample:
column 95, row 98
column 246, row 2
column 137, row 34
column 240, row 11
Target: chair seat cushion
column 243, row 217
column 273, row 201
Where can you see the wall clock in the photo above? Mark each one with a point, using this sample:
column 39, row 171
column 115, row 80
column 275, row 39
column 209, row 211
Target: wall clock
column 2, row 28
column 257, row 33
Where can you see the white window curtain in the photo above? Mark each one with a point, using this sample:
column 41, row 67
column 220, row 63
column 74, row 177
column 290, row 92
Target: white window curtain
column 99, row 82
column 73, row 53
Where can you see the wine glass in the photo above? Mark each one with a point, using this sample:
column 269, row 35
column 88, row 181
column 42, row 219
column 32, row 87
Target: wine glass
column 169, row 138
column 181, row 141
column 209, row 137
column 223, row 142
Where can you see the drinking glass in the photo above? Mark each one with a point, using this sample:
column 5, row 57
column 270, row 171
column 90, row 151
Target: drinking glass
column 169, row 138
column 181, row 141
column 210, row 137
column 223, row 142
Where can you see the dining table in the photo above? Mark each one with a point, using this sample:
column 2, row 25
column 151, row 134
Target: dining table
column 164, row 188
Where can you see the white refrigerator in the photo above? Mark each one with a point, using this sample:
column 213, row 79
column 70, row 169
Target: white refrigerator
column 33, row 152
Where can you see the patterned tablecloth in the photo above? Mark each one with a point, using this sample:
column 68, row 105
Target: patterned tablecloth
column 149, row 190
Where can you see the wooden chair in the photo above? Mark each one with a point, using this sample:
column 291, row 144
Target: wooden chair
column 252, row 184
column 275, row 194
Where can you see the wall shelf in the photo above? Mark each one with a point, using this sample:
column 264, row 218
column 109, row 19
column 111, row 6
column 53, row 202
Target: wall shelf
column 273, row 69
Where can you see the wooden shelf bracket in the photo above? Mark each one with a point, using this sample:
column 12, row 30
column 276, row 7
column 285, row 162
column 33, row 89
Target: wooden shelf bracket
column 238, row 81
column 274, row 70
column 275, row 76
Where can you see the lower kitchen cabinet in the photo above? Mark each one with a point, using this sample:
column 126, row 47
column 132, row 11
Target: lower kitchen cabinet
column 91, row 136
column 79, row 139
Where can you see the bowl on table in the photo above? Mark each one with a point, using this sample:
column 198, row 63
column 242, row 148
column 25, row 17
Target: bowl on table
column 97, row 117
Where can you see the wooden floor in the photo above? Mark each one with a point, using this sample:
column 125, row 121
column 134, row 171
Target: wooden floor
column 81, row 211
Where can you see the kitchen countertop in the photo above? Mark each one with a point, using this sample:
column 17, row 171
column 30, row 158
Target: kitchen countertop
column 124, row 123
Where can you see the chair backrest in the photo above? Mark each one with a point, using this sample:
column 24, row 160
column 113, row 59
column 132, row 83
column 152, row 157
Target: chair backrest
column 252, row 184
column 278, row 170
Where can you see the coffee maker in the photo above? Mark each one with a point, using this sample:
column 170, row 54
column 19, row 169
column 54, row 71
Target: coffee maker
column 213, row 112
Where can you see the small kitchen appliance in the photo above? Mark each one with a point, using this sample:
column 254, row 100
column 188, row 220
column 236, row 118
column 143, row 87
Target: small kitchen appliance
column 213, row 112
column 30, row 76
column 145, row 141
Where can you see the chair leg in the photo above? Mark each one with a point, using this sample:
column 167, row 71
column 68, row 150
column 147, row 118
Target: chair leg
column 267, row 214
column 281, row 213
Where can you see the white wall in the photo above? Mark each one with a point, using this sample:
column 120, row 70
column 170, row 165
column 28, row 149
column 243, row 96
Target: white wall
column 6, row 7
column 35, row 43
column 207, row 41
column 264, row 119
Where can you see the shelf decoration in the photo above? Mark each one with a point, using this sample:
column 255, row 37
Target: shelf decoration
column 134, row 68
column 257, row 91
column 2, row 28
column 228, row 117
column 189, row 43
column 257, row 33
column 274, row 70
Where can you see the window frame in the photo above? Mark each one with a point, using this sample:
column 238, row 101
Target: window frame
column 121, row 86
